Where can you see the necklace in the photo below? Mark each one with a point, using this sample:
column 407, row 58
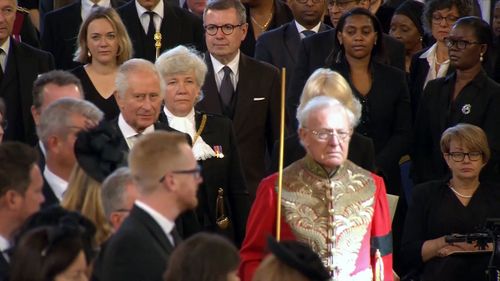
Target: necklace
column 265, row 25
column 458, row 193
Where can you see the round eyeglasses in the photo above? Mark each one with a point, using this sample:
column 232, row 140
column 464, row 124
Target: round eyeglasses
column 227, row 29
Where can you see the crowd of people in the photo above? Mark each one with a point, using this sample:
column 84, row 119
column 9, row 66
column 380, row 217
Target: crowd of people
column 140, row 140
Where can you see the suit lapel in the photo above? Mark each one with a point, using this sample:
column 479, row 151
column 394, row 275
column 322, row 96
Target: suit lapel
column 210, row 102
column 292, row 41
column 170, row 29
column 136, row 30
column 244, row 92
column 11, row 69
column 153, row 228
column 444, row 103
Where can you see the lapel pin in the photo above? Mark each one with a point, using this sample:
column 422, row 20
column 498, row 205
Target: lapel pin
column 466, row 109
column 218, row 151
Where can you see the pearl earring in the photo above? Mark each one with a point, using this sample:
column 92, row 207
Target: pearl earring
column 481, row 57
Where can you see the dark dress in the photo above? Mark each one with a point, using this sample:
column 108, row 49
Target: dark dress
column 436, row 211
column 478, row 104
column 108, row 106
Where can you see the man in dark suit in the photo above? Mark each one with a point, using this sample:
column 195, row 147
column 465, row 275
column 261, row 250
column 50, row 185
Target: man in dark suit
column 61, row 27
column 176, row 25
column 241, row 88
column 19, row 66
column 57, row 130
column 316, row 51
column 280, row 46
column 167, row 177
column 20, row 189
column 139, row 94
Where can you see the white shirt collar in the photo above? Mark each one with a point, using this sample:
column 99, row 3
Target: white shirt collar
column 57, row 184
column 158, row 10
column 165, row 224
column 233, row 64
column 430, row 56
column 301, row 28
column 4, row 243
column 87, row 7
column 185, row 124
column 42, row 148
column 129, row 132
column 5, row 47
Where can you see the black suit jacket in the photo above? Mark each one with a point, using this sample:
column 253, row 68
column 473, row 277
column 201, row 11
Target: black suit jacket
column 178, row 27
column 361, row 152
column 4, row 269
column 478, row 103
column 256, row 113
column 139, row 250
column 48, row 194
column 281, row 15
column 225, row 173
column 24, row 64
column 280, row 47
column 60, row 32
column 316, row 52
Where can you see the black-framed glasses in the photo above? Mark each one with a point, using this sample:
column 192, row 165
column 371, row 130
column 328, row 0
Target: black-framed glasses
column 437, row 19
column 460, row 156
column 325, row 134
column 341, row 4
column 460, row 44
column 122, row 210
column 227, row 29
column 196, row 172
column 305, row 1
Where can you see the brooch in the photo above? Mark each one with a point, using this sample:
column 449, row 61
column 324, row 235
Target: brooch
column 218, row 151
column 466, row 109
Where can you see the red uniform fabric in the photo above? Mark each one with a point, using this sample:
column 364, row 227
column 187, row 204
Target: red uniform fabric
column 262, row 223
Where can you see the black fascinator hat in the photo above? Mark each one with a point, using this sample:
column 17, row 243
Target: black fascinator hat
column 299, row 256
column 98, row 151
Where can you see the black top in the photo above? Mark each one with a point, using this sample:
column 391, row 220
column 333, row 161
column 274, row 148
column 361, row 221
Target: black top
column 108, row 106
column 436, row 211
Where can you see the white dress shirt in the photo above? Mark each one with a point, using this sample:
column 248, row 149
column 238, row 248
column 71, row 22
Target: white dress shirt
column 87, row 7
column 57, row 184
column 4, row 245
column 219, row 72
column 158, row 17
column 3, row 55
column 129, row 133
column 430, row 55
column 300, row 28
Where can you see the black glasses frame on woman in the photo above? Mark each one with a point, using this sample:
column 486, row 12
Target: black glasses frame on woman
column 227, row 29
column 460, row 156
column 461, row 44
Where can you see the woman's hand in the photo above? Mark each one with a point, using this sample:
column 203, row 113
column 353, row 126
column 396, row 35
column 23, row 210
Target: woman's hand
column 460, row 247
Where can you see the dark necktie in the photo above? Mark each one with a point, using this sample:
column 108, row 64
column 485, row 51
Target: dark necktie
column 226, row 87
column 150, row 49
column 151, row 27
column 308, row 33
column 176, row 236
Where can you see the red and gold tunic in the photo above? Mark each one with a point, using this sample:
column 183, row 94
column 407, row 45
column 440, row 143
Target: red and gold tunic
column 344, row 217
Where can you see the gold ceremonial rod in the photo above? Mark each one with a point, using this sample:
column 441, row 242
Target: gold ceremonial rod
column 157, row 38
column 282, row 145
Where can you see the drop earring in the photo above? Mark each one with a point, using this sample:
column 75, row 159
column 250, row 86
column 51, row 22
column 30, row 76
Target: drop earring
column 481, row 57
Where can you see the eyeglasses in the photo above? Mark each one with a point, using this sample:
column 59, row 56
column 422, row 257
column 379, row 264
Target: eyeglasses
column 437, row 19
column 227, row 29
column 122, row 210
column 305, row 1
column 325, row 134
column 196, row 172
column 460, row 44
column 341, row 4
column 460, row 156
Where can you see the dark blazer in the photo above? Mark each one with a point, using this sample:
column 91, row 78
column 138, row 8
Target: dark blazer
column 48, row 194
column 4, row 269
column 280, row 47
column 281, row 15
column 419, row 69
column 436, row 113
column 24, row 64
column 139, row 250
column 225, row 173
column 361, row 152
column 256, row 113
column 60, row 32
column 178, row 27
column 316, row 52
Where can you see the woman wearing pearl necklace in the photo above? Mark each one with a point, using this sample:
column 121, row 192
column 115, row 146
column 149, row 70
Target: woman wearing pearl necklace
column 455, row 205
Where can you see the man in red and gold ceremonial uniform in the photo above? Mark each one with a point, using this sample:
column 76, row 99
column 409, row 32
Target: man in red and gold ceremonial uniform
column 336, row 207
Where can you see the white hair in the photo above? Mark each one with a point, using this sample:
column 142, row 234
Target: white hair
column 322, row 102
column 132, row 66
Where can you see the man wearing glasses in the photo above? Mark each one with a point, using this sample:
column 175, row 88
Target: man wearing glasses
column 280, row 46
column 239, row 87
column 315, row 51
column 336, row 207
column 167, row 178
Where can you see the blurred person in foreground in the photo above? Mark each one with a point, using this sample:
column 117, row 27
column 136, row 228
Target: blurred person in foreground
column 337, row 208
